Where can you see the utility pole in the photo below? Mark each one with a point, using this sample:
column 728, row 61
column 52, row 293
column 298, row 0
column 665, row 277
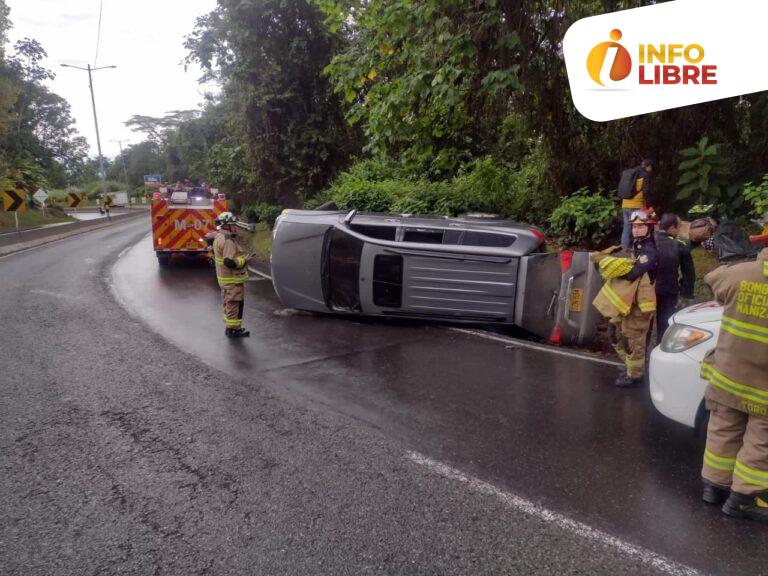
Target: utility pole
column 90, row 70
column 125, row 170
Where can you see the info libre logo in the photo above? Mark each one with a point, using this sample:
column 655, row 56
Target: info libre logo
column 609, row 63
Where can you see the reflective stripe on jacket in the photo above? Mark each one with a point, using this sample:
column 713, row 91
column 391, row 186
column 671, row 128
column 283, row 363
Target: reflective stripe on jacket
column 737, row 368
column 618, row 295
column 225, row 248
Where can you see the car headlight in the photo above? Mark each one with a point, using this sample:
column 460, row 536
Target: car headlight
column 680, row 337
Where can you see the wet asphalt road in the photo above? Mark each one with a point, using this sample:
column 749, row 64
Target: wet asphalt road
column 137, row 440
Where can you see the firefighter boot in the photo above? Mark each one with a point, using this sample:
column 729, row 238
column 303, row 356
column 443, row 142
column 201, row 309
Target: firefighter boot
column 712, row 494
column 624, row 381
column 237, row 333
column 743, row 506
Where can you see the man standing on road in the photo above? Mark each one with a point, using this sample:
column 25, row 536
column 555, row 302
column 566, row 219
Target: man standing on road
column 627, row 298
column 232, row 273
column 675, row 275
column 639, row 198
column 736, row 455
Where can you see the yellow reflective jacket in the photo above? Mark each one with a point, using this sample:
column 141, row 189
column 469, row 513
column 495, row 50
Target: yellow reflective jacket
column 230, row 261
column 737, row 368
column 617, row 296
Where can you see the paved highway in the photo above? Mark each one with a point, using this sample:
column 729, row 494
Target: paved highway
column 137, row 440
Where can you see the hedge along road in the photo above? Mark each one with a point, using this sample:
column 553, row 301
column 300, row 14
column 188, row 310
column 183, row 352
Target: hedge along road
column 143, row 442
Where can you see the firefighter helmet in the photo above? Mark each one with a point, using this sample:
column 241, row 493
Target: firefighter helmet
column 641, row 217
column 225, row 219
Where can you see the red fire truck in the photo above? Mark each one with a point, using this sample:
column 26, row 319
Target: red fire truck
column 182, row 218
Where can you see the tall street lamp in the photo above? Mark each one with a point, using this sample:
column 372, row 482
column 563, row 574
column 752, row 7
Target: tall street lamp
column 95, row 119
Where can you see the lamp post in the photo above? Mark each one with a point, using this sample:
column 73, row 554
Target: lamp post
column 90, row 70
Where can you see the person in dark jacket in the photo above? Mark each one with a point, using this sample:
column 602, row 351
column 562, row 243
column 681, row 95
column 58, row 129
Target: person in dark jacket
column 642, row 200
column 675, row 275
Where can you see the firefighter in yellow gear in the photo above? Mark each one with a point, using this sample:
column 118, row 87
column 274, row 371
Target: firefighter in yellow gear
column 627, row 299
column 106, row 204
column 232, row 273
column 736, row 455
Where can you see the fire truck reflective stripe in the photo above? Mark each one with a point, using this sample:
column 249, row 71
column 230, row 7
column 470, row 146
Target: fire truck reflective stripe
column 750, row 475
column 718, row 462
column 614, row 299
column 745, row 329
column 180, row 237
column 743, row 391
column 179, row 241
column 163, row 227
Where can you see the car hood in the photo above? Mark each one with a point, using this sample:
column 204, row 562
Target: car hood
column 699, row 314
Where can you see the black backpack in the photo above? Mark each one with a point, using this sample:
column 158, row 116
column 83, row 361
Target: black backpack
column 733, row 243
column 627, row 184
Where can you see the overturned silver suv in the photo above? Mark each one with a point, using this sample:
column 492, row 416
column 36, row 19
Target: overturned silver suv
column 482, row 270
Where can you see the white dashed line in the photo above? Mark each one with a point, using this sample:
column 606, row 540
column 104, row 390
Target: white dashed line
column 647, row 557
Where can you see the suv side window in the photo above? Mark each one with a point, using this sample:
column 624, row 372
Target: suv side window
column 423, row 235
column 487, row 239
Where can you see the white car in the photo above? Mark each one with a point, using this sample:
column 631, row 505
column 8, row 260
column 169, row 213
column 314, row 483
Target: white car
column 677, row 390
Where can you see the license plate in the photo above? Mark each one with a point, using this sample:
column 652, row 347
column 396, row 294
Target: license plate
column 577, row 297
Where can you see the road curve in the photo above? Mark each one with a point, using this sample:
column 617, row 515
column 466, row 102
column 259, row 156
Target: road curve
column 137, row 440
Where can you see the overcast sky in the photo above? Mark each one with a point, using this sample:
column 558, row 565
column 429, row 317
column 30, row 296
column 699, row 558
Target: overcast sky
column 143, row 38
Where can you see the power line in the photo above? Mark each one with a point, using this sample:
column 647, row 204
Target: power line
column 98, row 35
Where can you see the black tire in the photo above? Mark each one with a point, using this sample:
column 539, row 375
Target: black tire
column 164, row 261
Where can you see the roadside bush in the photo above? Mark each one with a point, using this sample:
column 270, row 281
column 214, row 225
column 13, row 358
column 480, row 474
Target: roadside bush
column 94, row 189
column 584, row 219
column 487, row 185
column 756, row 197
column 262, row 212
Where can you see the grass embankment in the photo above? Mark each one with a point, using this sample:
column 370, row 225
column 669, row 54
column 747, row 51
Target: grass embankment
column 704, row 262
column 31, row 219
column 261, row 241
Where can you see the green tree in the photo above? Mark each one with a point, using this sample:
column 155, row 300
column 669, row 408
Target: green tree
column 286, row 127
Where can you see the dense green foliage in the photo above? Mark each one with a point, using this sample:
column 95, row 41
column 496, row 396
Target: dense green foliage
column 756, row 198
column 285, row 133
column 262, row 212
column 39, row 145
column 585, row 218
column 450, row 106
column 439, row 106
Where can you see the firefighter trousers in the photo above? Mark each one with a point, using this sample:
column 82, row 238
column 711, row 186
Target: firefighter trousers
column 628, row 336
column 736, row 454
column 232, row 297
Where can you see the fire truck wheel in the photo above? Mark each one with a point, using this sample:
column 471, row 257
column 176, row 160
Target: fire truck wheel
column 163, row 260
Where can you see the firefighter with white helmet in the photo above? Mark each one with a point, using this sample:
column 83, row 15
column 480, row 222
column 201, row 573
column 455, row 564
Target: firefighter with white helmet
column 232, row 273
column 627, row 298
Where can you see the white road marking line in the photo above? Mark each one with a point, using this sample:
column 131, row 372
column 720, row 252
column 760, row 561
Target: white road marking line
column 639, row 553
column 532, row 346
